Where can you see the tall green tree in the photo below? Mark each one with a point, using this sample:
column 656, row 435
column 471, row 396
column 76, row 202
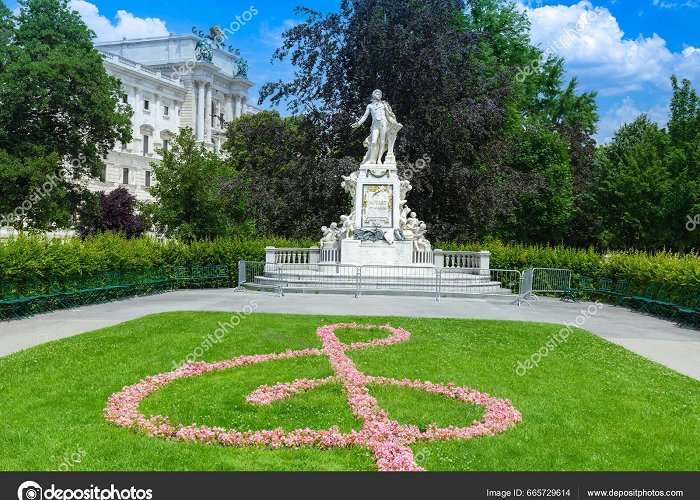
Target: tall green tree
column 684, row 164
column 58, row 109
column 544, row 215
column 6, row 32
column 632, row 185
column 432, row 71
column 542, row 103
column 191, row 202
column 54, row 91
column 290, row 189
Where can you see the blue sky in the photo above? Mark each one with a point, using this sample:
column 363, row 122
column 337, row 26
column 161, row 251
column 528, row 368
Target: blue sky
column 627, row 50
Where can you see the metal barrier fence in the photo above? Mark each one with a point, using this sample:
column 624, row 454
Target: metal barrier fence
column 525, row 288
column 398, row 278
column 541, row 280
column 315, row 276
column 550, row 280
column 476, row 282
column 265, row 276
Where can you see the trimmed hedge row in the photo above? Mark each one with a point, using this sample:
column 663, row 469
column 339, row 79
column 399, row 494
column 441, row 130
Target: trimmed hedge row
column 664, row 269
column 37, row 257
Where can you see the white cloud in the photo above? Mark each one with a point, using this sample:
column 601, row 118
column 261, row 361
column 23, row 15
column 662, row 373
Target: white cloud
column 127, row 25
column 602, row 56
column 674, row 5
column 626, row 112
column 605, row 59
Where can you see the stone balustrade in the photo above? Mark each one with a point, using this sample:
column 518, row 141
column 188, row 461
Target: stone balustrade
column 477, row 261
column 7, row 233
column 275, row 255
column 424, row 257
column 463, row 260
column 330, row 255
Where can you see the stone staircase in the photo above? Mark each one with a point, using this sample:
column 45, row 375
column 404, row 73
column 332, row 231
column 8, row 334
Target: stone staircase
column 418, row 281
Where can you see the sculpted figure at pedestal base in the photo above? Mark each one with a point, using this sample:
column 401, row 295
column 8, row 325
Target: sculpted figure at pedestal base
column 350, row 185
column 369, row 234
column 347, row 226
column 330, row 234
column 420, row 242
column 405, row 189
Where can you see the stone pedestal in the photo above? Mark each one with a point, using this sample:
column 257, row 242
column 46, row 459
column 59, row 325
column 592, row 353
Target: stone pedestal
column 377, row 198
column 379, row 253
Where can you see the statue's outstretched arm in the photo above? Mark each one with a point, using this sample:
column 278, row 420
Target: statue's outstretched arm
column 362, row 120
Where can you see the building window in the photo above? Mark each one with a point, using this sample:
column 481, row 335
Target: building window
column 125, row 99
column 145, row 104
column 166, row 111
column 148, row 178
column 123, row 146
column 103, row 176
column 145, row 145
column 125, row 176
column 166, row 143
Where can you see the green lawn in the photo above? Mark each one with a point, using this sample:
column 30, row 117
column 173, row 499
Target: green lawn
column 590, row 405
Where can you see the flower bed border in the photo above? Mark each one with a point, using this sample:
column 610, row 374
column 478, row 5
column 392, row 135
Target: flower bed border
column 387, row 439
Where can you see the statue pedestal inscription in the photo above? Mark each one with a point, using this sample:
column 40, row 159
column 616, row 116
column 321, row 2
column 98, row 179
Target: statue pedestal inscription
column 377, row 201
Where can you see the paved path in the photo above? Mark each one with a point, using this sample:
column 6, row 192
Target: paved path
column 652, row 338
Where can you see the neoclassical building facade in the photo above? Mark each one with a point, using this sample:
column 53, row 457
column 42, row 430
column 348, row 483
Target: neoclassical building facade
column 170, row 83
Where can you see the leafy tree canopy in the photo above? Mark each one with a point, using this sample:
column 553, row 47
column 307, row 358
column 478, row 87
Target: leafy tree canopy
column 190, row 201
column 59, row 110
column 54, row 91
column 113, row 212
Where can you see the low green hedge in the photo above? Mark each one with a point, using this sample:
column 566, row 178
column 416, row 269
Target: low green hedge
column 37, row 257
column 664, row 269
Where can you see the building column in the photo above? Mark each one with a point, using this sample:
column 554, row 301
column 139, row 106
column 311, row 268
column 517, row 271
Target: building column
column 156, row 118
column 244, row 105
column 200, row 111
column 136, row 119
column 228, row 113
column 208, row 111
column 238, row 106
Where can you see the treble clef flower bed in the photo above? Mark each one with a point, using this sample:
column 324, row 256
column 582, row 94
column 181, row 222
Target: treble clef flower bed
column 388, row 440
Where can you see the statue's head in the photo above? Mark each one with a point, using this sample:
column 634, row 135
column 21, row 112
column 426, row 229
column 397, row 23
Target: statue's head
column 377, row 95
column 334, row 225
column 413, row 215
column 324, row 229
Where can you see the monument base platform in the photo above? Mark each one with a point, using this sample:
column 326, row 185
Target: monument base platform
column 379, row 253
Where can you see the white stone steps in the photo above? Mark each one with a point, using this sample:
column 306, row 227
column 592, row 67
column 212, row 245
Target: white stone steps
column 478, row 286
column 444, row 292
